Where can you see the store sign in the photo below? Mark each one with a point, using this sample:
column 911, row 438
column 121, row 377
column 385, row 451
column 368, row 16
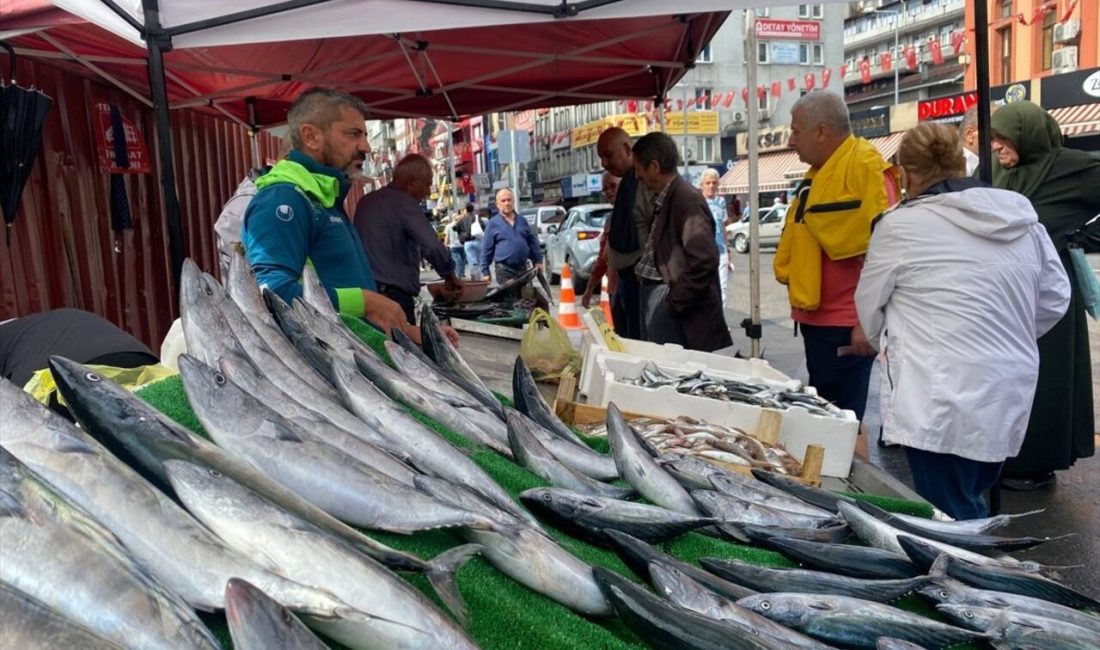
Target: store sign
column 136, row 151
column 872, row 123
column 634, row 125
column 698, row 123
column 1071, row 88
column 551, row 191
column 953, row 107
column 775, row 139
column 805, row 30
column 783, row 53
column 595, row 183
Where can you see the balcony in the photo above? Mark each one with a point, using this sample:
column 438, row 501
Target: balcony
column 914, row 19
column 853, row 77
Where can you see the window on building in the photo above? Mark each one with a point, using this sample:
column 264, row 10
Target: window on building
column 1004, row 50
column 810, row 11
column 762, row 52
column 1048, row 39
column 810, row 53
column 762, row 102
column 704, row 55
column 704, row 149
column 1006, row 8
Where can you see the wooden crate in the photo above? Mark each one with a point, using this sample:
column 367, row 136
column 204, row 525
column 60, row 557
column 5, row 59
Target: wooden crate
column 766, row 430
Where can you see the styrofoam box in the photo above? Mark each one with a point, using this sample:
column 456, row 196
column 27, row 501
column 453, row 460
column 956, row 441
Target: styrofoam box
column 799, row 427
column 592, row 344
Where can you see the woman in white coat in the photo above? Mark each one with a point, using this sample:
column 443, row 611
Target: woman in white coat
column 958, row 283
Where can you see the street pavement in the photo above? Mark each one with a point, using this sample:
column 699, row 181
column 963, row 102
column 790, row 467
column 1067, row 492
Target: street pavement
column 1072, row 506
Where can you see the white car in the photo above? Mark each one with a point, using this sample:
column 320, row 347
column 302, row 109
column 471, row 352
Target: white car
column 771, row 226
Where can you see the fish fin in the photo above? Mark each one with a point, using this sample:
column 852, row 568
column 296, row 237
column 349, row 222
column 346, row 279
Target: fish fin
column 284, row 433
column 733, row 532
column 11, row 505
column 939, row 567
column 440, row 573
column 70, row 444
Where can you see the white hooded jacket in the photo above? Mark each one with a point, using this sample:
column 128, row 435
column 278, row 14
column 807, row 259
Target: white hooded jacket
column 955, row 290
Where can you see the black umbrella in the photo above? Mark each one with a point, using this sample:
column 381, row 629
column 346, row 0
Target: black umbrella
column 22, row 115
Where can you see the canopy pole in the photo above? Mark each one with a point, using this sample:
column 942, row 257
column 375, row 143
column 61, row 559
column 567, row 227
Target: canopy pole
column 752, row 323
column 451, row 151
column 253, row 131
column 157, row 43
column 981, row 59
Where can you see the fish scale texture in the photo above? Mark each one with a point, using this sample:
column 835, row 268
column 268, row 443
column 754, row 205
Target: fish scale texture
column 504, row 614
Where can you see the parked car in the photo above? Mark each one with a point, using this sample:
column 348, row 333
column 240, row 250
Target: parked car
column 771, row 226
column 541, row 218
column 576, row 242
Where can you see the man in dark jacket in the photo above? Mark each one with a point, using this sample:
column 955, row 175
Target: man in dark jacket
column 680, row 293
column 627, row 229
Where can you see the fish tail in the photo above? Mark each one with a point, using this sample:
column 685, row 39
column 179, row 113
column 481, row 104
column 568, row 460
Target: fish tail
column 440, row 573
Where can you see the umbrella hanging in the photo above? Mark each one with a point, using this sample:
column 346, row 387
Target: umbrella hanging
column 22, row 114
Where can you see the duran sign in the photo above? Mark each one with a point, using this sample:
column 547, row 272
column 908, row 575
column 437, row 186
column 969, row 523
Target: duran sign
column 953, row 107
column 804, row 30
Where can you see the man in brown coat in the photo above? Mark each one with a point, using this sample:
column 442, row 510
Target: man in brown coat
column 681, row 298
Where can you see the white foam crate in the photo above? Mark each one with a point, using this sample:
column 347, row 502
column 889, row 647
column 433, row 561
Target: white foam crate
column 798, row 428
column 665, row 355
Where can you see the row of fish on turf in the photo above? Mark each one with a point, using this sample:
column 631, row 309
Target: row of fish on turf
column 755, row 393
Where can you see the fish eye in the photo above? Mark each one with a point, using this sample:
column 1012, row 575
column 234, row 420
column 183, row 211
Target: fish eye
column 547, row 498
column 967, row 613
column 215, row 473
column 943, row 593
column 91, row 376
column 209, row 291
column 765, row 605
column 219, row 379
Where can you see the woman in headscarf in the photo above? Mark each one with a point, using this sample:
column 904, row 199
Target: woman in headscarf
column 958, row 282
column 1062, row 185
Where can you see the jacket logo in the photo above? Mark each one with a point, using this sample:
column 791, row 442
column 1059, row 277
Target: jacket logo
column 284, row 212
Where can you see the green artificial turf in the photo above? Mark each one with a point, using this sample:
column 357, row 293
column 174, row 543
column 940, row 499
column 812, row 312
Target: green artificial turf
column 503, row 613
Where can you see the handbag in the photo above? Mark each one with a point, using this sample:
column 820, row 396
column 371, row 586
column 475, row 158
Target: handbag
column 1086, row 280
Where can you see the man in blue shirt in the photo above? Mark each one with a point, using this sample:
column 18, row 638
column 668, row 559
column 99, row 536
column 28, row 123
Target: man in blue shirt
column 297, row 216
column 509, row 243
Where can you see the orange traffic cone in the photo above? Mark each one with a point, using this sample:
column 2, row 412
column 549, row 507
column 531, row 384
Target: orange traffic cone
column 567, row 303
column 605, row 301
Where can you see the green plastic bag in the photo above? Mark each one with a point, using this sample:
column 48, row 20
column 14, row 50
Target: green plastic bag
column 546, row 348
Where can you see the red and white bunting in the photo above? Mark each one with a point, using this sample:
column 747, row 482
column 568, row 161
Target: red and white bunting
column 808, row 81
column 826, row 77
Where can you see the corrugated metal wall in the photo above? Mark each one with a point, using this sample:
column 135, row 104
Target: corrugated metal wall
column 63, row 252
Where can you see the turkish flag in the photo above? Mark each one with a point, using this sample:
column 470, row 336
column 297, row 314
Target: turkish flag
column 937, row 51
column 777, row 89
column 911, row 57
column 865, row 70
column 957, row 41
column 632, row 106
column 826, row 76
column 843, row 70
column 1042, row 10
column 729, row 99
column 745, row 95
column 691, row 102
column 792, row 84
column 808, row 81
column 761, row 91
column 1070, row 6
column 885, row 61
column 679, row 105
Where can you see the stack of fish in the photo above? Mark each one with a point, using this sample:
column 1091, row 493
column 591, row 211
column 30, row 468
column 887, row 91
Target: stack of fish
column 311, row 433
column 727, row 389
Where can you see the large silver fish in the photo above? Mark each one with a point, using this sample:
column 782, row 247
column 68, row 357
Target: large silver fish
column 529, row 453
column 256, row 622
column 160, row 535
column 770, row 580
column 149, row 437
column 948, row 591
column 1009, row 629
column 439, row 349
column 29, row 624
column 205, row 330
column 427, row 449
column 314, row 294
column 529, row 401
column 66, row 562
column 349, row 490
column 403, row 617
column 741, row 511
column 579, row 458
column 852, row 622
column 640, row 469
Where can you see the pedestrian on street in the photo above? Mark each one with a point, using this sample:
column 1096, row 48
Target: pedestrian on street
column 628, row 228
column 472, row 232
column 609, row 187
column 957, row 284
column 708, row 183
column 1062, row 187
column 509, row 243
column 820, row 253
column 677, row 272
column 396, row 236
column 297, row 213
column 453, row 240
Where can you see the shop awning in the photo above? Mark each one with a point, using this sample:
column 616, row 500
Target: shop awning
column 780, row 170
column 1078, row 121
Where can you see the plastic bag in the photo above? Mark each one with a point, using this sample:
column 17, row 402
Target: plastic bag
column 1086, row 281
column 546, row 348
column 41, row 385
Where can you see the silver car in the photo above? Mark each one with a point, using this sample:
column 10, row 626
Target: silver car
column 540, row 219
column 771, row 226
column 576, row 242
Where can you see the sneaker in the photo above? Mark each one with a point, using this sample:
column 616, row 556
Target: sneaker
column 1030, row 483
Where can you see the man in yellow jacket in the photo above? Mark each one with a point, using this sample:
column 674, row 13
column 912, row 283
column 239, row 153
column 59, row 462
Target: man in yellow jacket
column 825, row 237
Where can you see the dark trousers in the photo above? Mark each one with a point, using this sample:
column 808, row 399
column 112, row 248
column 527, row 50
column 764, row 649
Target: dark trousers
column 506, row 273
column 401, row 297
column 626, row 306
column 841, row 380
column 658, row 323
column 954, row 484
